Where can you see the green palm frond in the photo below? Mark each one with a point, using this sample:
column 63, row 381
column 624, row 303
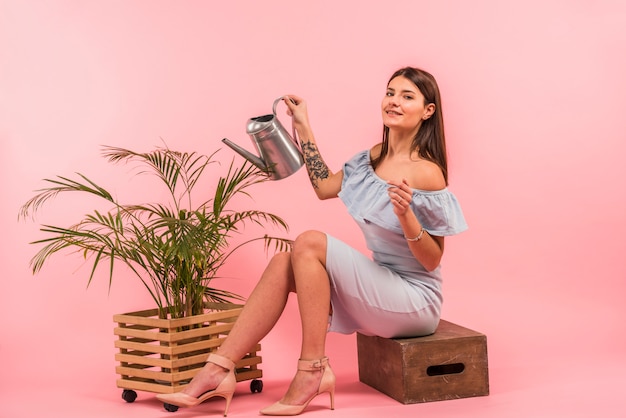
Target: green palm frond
column 176, row 250
column 62, row 185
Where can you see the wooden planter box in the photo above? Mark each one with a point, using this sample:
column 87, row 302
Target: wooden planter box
column 163, row 355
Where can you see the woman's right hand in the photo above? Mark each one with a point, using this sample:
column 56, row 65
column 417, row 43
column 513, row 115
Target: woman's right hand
column 296, row 108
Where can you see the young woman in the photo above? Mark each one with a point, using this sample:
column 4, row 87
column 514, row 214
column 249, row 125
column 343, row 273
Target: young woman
column 397, row 193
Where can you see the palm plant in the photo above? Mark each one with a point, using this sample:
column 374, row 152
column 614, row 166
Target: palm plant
column 175, row 249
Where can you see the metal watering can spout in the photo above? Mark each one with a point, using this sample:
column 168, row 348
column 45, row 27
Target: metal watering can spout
column 246, row 154
column 279, row 153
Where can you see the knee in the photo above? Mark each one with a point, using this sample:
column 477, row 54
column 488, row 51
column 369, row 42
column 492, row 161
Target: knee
column 282, row 259
column 280, row 272
column 310, row 243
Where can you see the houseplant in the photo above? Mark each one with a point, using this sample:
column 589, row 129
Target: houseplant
column 175, row 248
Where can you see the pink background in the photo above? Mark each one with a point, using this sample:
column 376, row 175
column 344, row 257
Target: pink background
column 534, row 100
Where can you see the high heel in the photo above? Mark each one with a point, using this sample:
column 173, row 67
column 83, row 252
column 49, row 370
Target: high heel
column 225, row 389
column 327, row 384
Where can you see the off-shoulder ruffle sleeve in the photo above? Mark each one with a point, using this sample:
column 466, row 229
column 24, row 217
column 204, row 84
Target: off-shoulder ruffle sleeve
column 365, row 196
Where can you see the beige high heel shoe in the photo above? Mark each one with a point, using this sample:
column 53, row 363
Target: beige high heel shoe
column 225, row 389
column 327, row 384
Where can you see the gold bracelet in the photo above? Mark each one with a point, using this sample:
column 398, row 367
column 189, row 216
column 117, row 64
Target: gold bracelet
column 417, row 238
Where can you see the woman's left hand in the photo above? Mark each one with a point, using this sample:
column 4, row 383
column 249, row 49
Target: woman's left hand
column 400, row 195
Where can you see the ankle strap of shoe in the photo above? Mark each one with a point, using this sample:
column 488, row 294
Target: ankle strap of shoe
column 221, row 361
column 312, row 365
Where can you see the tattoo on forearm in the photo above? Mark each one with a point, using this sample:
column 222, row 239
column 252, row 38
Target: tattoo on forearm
column 317, row 168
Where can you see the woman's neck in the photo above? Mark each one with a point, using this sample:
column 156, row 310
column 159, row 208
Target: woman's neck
column 400, row 143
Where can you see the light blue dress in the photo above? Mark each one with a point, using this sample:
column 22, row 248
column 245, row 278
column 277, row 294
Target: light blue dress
column 390, row 294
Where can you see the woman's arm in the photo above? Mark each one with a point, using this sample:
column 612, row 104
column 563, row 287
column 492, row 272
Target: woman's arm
column 426, row 248
column 325, row 183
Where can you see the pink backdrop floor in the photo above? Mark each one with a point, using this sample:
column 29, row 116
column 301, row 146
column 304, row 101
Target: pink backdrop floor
column 549, row 383
column 562, row 390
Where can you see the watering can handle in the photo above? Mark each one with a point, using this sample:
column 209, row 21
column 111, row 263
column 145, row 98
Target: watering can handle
column 293, row 129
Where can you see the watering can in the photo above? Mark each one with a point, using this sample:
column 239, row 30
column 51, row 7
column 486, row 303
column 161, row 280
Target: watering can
column 279, row 154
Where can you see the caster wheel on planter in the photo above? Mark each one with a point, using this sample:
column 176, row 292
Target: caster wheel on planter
column 256, row 386
column 170, row 408
column 129, row 395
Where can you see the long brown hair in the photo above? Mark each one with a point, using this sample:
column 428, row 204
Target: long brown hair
column 430, row 140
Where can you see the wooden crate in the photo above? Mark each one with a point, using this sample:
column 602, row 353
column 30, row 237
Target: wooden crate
column 162, row 355
column 449, row 364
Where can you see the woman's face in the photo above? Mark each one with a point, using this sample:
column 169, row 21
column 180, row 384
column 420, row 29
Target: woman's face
column 403, row 106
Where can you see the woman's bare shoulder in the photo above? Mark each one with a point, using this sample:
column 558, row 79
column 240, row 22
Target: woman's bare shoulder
column 427, row 176
column 375, row 151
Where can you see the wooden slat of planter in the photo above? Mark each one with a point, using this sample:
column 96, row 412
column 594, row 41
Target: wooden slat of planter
column 199, row 359
column 161, row 335
column 248, row 361
column 148, row 386
column 156, row 334
column 173, row 363
column 132, row 364
column 137, row 353
column 150, row 318
column 145, row 360
column 176, row 350
column 162, row 362
column 141, row 346
column 214, row 330
column 170, row 350
column 249, row 374
column 156, row 375
column 211, row 317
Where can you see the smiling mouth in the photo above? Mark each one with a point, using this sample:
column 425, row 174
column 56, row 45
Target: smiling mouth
column 393, row 113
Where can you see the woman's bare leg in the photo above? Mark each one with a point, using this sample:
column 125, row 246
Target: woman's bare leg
column 308, row 260
column 259, row 315
column 303, row 271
